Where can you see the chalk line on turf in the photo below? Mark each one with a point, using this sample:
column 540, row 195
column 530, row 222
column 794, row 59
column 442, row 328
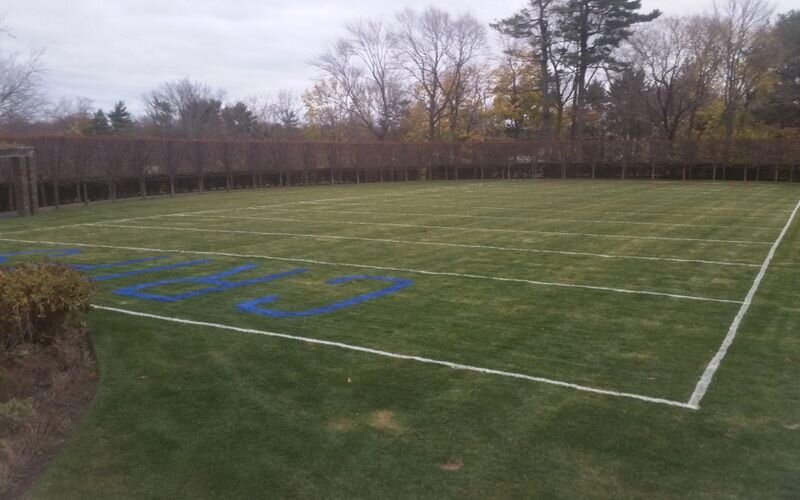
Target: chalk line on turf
column 429, row 243
column 708, row 375
column 145, row 217
column 406, row 357
column 380, row 268
column 547, row 219
column 533, row 231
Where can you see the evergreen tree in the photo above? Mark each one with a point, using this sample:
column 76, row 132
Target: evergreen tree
column 238, row 120
column 120, row 118
column 782, row 106
column 99, row 124
column 594, row 28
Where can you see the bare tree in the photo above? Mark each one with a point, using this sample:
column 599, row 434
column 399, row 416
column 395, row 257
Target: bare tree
column 464, row 76
column 742, row 25
column 21, row 97
column 366, row 73
column 678, row 63
column 436, row 52
column 184, row 108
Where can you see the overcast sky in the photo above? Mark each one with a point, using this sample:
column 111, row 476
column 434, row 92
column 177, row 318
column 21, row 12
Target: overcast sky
column 112, row 50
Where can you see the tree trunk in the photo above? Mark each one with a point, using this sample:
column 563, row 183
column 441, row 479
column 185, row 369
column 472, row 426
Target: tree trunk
column 43, row 194
column 56, row 194
column 11, row 205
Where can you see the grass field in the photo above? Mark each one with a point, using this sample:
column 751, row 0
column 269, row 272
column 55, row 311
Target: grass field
column 462, row 339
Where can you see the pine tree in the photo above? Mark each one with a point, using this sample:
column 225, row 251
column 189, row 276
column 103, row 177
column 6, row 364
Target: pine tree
column 782, row 104
column 594, row 28
column 99, row 124
column 120, row 118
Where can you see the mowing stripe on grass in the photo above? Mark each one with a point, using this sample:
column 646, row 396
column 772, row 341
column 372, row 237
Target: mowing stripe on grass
column 380, row 268
column 406, row 357
column 561, row 233
column 713, row 365
column 428, row 243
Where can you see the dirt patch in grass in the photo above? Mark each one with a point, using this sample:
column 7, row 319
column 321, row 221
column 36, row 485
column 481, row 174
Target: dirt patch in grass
column 44, row 390
column 341, row 424
column 384, row 420
column 452, row 465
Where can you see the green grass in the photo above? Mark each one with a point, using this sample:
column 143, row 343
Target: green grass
column 192, row 411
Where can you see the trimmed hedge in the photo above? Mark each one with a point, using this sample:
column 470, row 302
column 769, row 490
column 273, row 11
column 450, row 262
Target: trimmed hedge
column 38, row 300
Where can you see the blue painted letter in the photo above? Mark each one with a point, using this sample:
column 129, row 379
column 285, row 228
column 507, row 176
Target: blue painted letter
column 254, row 306
column 214, row 282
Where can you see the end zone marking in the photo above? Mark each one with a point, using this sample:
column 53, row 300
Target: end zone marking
column 407, row 357
column 713, row 365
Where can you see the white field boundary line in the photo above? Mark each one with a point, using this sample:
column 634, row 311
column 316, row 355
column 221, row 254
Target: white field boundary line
column 433, row 243
column 642, row 223
column 199, row 212
column 379, row 268
column 533, row 231
column 713, row 365
column 405, row 357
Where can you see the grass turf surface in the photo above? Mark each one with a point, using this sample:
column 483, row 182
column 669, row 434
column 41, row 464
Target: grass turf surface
column 185, row 410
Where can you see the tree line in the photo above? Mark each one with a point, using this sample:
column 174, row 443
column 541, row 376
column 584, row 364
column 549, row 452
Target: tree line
column 557, row 70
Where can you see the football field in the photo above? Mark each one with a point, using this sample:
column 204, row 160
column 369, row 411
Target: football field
column 505, row 339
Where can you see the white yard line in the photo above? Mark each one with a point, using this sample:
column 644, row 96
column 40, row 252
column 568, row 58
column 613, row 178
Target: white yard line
column 534, row 219
column 380, row 268
column 429, row 243
column 200, row 212
column 533, row 231
column 406, row 357
column 713, row 365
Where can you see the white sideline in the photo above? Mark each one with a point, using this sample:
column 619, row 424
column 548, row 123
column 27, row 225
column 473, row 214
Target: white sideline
column 561, row 233
column 713, row 365
column 423, row 242
column 407, row 357
column 380, row 268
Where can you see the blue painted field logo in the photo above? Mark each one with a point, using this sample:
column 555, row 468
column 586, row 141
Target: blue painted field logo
column 254, row 306
column 214, row 283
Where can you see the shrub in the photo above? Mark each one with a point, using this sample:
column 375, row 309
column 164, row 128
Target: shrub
column 38, row 300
